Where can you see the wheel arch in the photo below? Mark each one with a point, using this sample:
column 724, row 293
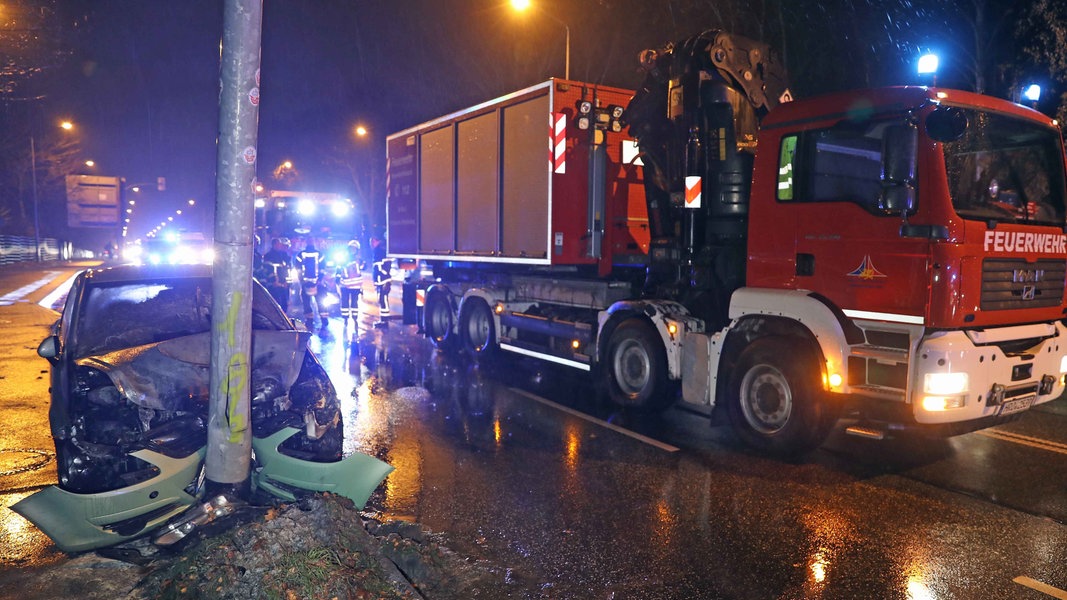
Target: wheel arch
column 487, row 295
column 799, row 314
column 656, row 313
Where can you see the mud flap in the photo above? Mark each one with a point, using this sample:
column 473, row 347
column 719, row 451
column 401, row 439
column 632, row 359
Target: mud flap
column 354, row 477
column 79, row 522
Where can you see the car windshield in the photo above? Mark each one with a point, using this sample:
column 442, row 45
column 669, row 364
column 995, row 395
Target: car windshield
column 1007, row 170
column 127, row 314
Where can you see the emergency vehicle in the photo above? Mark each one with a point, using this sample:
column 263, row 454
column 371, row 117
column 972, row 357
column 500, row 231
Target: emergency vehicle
column 327, row 217
column 895, row 256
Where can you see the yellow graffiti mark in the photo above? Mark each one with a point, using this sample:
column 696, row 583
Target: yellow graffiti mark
column 236, row 375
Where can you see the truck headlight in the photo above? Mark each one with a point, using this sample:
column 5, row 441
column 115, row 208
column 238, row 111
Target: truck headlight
column 945, row 384
column 943, row 403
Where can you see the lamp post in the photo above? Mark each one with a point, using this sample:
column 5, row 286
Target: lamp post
column 36, row 221
column 66, row 126
column 522, row 5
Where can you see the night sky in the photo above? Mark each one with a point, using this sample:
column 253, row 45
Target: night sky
column 142, row 81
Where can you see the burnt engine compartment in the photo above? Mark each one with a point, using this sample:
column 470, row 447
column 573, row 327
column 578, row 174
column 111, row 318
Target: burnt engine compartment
column 106, row 427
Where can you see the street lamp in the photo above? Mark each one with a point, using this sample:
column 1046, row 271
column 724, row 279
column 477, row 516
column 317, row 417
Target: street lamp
column 66, row 125
column 522, row 5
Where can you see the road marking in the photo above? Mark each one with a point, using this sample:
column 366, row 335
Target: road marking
column 1024, row 440
column 633, row 434
column 1044, row 588
column 50, row 300
column 13, row 297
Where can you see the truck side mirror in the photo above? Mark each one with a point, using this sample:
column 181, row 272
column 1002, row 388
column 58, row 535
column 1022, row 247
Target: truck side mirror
column 901, row 145
column 900, row 148
column 898, row 199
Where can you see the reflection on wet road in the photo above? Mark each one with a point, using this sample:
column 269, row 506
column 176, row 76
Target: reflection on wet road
column 571, row 508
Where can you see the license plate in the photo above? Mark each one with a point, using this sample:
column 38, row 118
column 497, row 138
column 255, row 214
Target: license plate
column 1016, row 405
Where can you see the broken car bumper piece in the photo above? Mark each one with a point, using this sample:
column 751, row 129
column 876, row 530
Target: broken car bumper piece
column 79, row 522
column 354, row 477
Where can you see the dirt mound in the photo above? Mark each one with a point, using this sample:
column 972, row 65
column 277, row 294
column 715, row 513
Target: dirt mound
column 320, row 547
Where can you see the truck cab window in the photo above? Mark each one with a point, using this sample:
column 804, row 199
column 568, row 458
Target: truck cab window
column 1007, row 170
column 785, row 167
column 838, row 164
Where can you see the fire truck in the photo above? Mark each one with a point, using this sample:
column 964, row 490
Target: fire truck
column 328, row 218
column 892, row 256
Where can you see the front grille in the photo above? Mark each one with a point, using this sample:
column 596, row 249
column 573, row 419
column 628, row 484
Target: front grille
column 1011, row 283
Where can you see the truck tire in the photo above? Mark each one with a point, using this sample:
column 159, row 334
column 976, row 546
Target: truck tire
column 437, row 320
column 477, row 331
column 774, row 401
column 635, row 368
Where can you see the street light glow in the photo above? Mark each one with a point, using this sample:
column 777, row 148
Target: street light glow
column 67, row 125
column 1033, row 92
column 361, row 130
column 522, row 5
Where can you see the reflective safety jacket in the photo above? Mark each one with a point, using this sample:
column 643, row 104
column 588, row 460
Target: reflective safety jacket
column 351, row 276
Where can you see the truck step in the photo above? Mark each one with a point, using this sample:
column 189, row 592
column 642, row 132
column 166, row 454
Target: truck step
column 880, row 353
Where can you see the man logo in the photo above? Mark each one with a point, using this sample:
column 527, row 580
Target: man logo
column 1029, row 292
column 1027, row 275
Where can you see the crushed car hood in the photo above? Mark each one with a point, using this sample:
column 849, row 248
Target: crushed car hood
column 174, row 374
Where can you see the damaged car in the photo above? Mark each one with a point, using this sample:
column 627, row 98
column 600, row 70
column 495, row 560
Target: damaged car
column 130, row 401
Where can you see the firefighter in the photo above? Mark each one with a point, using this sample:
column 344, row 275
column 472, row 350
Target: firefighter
column 310, row 263
column 382, row 282
column 276, row 263
column 350, row 282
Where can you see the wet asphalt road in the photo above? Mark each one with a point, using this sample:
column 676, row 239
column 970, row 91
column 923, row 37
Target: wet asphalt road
column 527, row 468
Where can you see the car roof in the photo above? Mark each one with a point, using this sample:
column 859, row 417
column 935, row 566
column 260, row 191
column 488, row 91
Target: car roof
column 122, row 273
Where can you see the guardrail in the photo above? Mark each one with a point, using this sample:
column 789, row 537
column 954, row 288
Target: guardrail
column 15, row 249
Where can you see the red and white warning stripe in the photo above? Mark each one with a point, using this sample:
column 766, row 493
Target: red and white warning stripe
column 692, row 191
column 559, row 143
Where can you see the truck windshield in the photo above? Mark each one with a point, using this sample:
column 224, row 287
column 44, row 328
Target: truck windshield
column 1006, row 169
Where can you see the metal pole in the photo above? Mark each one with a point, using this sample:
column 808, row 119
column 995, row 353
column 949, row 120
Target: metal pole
column 36, row 220
column 229, row 447
column 567, row 58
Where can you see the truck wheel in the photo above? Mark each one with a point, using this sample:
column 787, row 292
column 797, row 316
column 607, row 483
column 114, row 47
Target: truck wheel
column 774, row 402
column 437, row 320
column 636, row 367
column 476, row 328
